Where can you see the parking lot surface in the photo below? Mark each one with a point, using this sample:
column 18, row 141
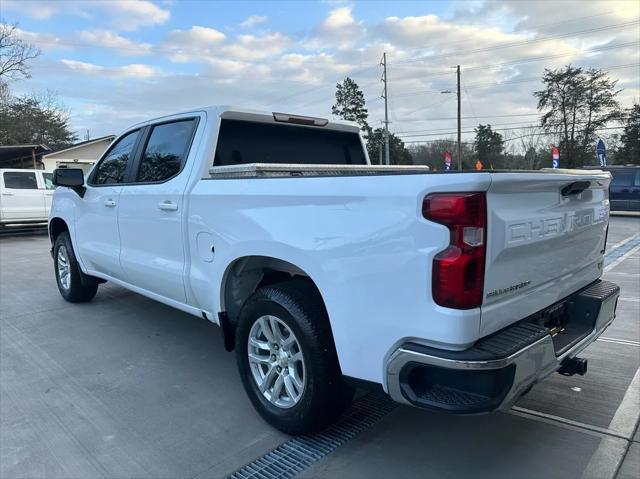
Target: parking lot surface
column 126, row 387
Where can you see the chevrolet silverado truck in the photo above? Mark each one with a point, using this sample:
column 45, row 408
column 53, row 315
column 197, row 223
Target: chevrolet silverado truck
column 450, row 291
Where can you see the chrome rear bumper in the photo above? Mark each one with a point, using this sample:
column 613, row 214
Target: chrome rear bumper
column 484, row 378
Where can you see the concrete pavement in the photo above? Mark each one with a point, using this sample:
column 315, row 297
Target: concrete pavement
column 126, row 387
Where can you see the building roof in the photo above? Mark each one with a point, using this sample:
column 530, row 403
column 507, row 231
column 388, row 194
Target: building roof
column 82, row 143
column 12, row 155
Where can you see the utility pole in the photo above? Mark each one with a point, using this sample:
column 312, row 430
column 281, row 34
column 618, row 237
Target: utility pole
column 386, row 109
column 459, row 123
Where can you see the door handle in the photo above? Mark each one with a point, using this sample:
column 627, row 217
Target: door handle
column 167, row 206
column 110, row 203
column 8, row 194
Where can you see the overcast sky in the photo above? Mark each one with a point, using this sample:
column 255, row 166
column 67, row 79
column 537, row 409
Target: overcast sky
column 117, row 62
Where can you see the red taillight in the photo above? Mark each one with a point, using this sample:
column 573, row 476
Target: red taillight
column 458, row 271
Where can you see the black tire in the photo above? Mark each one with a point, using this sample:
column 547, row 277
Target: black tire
column 81, row 287
column 325, row 395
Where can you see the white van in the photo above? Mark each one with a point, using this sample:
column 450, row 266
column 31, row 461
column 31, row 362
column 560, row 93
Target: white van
column 25, row 195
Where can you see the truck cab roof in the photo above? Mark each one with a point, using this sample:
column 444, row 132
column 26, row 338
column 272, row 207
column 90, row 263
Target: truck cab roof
column 245, row 114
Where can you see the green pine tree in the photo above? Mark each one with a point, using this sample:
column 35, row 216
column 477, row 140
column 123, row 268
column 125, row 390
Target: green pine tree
column 350, row 104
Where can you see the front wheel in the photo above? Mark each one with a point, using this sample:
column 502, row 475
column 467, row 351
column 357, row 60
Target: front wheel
column 73, row 284
column 287, row 359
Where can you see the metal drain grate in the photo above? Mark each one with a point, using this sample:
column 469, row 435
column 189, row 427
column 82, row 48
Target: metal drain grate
column 299, row 453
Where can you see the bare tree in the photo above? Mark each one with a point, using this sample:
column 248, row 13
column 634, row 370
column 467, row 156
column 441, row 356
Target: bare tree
column 531, row 139
column 15, row 54
column 530, row 147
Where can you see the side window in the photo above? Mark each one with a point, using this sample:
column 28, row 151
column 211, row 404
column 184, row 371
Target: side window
column 166, row 151
column 113, row 167
column 20, row 180
column 637, row 181
column 622, row 177
column 48, row 181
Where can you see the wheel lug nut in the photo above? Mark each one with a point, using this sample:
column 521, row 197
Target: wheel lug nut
column 275, row 346
column 273, row 357
column 279, row 369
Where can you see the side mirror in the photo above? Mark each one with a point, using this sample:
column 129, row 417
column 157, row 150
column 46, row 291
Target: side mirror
column 71, row 178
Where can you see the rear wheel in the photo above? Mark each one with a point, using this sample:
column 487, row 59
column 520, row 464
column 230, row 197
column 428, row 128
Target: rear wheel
column 73, row 284
column 287, row 359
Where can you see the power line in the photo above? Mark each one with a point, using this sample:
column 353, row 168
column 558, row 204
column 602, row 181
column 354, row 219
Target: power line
column 473, row 86
column 435, row 103
column 557, row 55
column 528, row 60
column 529, row 79
column 523, row 124
column 534, row 27
column 312, row 102
column 321, row 87
column 520, row 43
column 506, row 139
column 481, row 116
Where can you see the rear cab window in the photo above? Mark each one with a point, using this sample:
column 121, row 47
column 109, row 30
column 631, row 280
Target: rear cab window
column 20, row 180
column 242, row 142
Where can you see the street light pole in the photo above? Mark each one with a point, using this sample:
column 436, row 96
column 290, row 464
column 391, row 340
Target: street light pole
column 459, row 122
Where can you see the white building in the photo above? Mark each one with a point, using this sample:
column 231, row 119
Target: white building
column 81, row 155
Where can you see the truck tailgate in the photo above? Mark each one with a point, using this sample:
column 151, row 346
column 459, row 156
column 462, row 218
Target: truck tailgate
column 545, row 240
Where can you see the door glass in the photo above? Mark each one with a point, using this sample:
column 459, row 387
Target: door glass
column 113, row 167
column 48, row 181
column 622, row 177
column 20, row 180
column 165, row 152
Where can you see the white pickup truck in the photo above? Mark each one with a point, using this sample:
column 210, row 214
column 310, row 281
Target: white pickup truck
column 449, row 291
column 25, row 196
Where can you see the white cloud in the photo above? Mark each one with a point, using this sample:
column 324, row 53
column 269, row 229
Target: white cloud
column 44, row 41
column 109, row 39
column 87, row 38
column 338, row 19
column 339, row 29
column 131, row 70
column 430, row 32
column 253, row 47
column 133, row 14
column 254, row 20
column 127, row 15
column 194, row 44
column 207, row 45
column 39, row 10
